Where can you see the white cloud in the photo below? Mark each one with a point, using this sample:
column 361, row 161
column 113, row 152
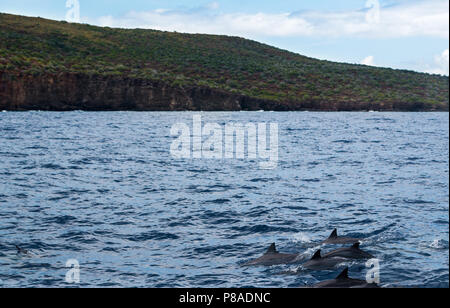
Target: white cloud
column 231, row 24
column 213, row 5
column 407, row 19
column 441, row 64
column 368, row 61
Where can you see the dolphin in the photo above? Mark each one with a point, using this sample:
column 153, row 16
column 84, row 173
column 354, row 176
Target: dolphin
column 335, row 239
column 273, row 257
column 318, row 262
column 343, row 281
column 21, row 250
column 353, row 252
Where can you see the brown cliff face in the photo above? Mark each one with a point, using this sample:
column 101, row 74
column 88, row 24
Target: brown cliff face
column 65, row 92
column 69, row 91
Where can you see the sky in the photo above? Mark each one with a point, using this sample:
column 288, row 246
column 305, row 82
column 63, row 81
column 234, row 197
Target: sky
column 403, row 34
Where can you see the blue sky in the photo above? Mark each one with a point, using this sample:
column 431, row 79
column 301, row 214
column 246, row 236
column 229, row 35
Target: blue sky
column 407, row 34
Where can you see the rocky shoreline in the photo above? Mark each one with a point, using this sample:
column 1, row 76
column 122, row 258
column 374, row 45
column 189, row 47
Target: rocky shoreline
column 75, row 91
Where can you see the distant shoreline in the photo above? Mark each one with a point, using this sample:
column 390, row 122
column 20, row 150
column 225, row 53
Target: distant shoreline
column 222, row 111
column 60, row 66
column 71, row 92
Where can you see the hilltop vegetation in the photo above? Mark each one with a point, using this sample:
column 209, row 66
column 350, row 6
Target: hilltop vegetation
column 36, row 46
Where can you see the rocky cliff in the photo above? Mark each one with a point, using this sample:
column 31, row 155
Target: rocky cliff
column 65, row 92
column 73, row 91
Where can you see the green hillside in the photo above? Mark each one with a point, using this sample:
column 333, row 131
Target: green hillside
column 38, row 46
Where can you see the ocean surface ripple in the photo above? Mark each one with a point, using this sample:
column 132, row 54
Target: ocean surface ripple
column 102, row 188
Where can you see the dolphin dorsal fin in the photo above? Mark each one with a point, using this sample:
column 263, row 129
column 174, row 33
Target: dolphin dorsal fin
column 334, row 234
column 272, row 249
column 317, row 255
column 343, row 275
column 356, row 245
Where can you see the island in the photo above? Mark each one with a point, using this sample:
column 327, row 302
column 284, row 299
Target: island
column 58, row 66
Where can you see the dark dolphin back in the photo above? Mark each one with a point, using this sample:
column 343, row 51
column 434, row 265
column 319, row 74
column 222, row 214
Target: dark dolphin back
column 317, row 255
column 272, row 249
column 343, row 275
column 333, row 234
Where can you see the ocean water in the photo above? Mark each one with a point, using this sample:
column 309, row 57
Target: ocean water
column 103, row 189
